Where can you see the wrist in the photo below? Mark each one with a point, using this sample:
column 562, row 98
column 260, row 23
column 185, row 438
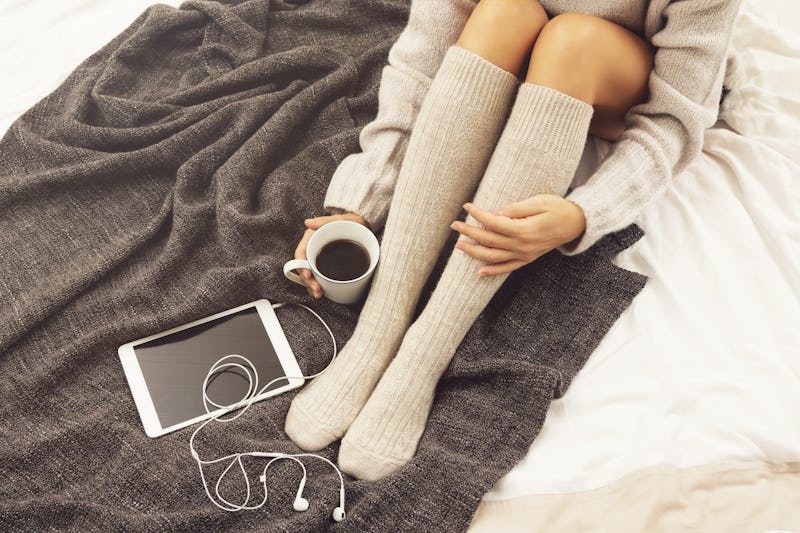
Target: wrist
column 578, row 227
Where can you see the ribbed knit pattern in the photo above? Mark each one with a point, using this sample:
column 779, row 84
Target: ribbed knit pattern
column 459, row 123
column 538, row 152
column 664, row 134
column 166, row 179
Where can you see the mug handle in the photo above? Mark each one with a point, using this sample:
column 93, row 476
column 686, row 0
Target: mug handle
column 293, row 264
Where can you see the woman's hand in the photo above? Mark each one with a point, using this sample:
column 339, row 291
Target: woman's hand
column 313, row 224
column 519, row 233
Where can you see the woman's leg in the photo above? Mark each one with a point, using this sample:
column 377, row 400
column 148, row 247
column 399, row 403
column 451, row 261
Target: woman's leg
column 538, row 152
column 612, row 76
column 458, row 125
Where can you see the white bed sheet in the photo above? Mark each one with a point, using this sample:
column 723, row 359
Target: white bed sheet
column 704, row 367
column 705, row 364
column 42, row 41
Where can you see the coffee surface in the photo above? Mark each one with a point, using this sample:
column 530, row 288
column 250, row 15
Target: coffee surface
column 343, row 260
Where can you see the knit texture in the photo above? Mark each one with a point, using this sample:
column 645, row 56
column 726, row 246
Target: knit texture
column 537, row 153
column 662, row 135
column 166, row 180
column 457, row 128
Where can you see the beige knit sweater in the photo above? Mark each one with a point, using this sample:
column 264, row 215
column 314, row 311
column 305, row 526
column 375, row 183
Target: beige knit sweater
column 662, row 135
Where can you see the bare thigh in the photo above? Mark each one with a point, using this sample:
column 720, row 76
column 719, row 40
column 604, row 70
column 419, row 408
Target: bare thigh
column 597, row 61
column 587, row 57
column 503, row 32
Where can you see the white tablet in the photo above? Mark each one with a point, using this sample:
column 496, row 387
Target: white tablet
column 166, row 371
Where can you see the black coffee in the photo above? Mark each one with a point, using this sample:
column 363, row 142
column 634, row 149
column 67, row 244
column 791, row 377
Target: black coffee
column 343, row 260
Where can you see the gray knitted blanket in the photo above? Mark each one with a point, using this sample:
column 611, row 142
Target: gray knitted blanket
column 165, row 180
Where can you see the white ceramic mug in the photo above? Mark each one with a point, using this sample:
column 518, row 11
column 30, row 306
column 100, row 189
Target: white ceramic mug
column 343, row 292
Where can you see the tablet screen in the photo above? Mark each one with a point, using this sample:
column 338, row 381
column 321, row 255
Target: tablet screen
column 174, row 366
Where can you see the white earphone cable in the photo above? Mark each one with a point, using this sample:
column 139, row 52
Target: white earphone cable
column 249, row 369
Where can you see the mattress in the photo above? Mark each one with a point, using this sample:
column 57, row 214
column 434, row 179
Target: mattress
column 686, row 416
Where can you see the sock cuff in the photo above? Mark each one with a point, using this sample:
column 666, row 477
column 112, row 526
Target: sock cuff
column 549, row 121
column 475, row 81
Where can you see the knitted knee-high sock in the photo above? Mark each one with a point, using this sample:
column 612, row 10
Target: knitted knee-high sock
column 538, row 152
column 459, row 122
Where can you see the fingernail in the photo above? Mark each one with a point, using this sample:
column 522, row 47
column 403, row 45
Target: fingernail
column 467, row 206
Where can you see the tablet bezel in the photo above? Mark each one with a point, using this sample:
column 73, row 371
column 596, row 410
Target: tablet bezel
column 141, row 394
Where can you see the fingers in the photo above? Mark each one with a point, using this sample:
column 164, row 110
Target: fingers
column 314, row 289
column 316, row 222
column 300, row 251
column 484, row 253
column 313, row 224
column 501, row 268
column 485, row 237
column 527, row 207
column 513, row 236
column 491, row 221
column 306, row 276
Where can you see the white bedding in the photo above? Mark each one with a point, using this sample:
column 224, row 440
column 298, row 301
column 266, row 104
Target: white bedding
column 704, row 366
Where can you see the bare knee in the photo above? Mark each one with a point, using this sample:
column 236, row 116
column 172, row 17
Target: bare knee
column 596, row 61
column 503, row 31
column 563, row 58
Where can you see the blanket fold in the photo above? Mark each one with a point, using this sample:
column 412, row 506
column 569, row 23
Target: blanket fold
column 167, row 179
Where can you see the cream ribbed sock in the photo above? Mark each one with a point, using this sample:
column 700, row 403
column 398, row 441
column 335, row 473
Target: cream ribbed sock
column 538, row 152
column 458, row 124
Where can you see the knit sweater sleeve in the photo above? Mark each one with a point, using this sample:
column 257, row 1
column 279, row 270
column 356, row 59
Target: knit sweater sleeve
column 364, row 181
column 664, row 134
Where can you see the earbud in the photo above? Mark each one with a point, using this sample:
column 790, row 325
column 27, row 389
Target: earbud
column 253, row 392
column 300, row 503
column 338, row 514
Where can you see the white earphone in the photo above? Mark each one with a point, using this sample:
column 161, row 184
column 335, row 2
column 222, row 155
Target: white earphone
column 300, row 504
